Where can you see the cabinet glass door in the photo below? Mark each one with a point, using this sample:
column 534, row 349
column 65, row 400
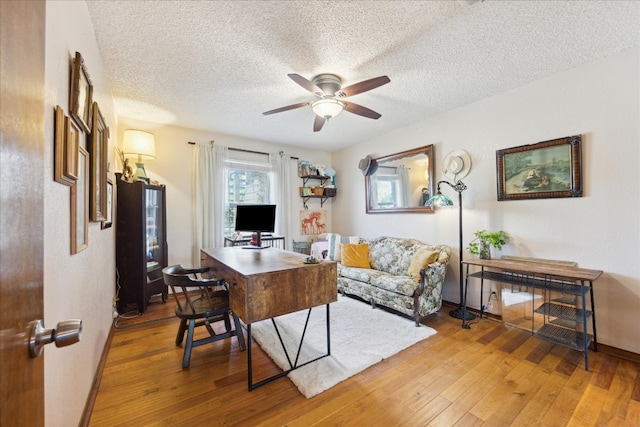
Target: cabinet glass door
column 154, row 230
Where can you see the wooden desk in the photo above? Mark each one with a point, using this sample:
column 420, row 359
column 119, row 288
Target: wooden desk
column 571, row 282
column 266, row 283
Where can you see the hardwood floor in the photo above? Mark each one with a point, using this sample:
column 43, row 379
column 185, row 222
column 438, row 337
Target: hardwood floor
column 490, row 375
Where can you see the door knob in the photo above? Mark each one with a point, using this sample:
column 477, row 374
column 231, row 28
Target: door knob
column 66, row 333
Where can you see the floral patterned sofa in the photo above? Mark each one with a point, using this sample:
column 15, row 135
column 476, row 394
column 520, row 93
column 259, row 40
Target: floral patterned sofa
column 404, row 274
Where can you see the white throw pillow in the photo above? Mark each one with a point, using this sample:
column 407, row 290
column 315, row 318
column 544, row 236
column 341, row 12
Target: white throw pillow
column 335, row 245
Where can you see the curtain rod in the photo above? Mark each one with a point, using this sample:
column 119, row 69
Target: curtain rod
column 243, row 150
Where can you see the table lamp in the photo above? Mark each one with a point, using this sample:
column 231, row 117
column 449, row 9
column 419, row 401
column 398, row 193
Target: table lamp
column 141, row 144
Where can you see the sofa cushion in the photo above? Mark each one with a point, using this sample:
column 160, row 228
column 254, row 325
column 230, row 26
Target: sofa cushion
column 355, row 255
column 392, row 254
column 421, row 259
column 360, row 274
column 404, row 285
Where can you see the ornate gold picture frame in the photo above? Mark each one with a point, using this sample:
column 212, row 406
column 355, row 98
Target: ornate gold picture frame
column 66, row 141
column 81, row 96
column 98, row 149
column 548, row 169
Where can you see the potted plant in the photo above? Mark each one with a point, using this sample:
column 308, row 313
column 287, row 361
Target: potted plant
column 481, row 245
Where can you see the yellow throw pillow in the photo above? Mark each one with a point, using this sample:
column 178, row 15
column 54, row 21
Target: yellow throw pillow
column 421, row 259
column 355, row 255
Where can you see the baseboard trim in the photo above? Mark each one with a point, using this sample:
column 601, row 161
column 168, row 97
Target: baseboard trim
column 617, row 352
column 93, row 392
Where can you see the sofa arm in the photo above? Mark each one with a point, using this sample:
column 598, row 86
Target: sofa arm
column 427, row 298
column 431, row 278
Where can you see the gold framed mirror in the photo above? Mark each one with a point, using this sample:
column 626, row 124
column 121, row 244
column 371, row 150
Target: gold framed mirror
column 401, row 182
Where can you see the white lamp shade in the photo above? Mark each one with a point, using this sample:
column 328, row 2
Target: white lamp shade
column 139, row 143
column 327, row 108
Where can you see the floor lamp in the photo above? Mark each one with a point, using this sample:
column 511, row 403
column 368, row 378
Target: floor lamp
column 440, row 200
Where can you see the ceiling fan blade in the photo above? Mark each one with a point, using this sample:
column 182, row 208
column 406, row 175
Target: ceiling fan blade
column 360, row 110
column 307, row 84
column 318, row 123
column 364, row 86
column 287, row 108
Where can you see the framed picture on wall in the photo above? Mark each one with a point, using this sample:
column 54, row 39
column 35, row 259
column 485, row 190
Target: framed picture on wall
column 313, row 222
column 65, row 149
column 548, row 169
column 98, row 148
column 81, row 96
column 109, row 220
column 80, row 205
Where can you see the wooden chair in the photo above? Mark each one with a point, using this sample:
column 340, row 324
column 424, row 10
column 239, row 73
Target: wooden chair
column 200, row 301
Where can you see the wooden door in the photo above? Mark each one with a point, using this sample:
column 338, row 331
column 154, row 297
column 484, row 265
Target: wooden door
column 22, row 56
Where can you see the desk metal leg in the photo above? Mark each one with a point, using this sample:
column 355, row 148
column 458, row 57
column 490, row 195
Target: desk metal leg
column 292, row 366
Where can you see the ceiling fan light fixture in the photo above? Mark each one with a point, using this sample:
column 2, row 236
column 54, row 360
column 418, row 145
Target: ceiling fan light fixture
column 327, row 107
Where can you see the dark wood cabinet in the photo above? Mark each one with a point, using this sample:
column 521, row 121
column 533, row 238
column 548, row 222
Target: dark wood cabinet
column 141, row 244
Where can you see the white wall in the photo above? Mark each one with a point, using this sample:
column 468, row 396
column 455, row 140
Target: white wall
column 173, row 168
column 600, row 230
column 82, row 285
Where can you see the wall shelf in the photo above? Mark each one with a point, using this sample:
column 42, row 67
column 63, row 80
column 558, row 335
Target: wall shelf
column 322, row 179
column 323, row 198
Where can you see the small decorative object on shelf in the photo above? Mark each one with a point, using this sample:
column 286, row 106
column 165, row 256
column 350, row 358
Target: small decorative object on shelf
column 481, row 245
column 304, row 168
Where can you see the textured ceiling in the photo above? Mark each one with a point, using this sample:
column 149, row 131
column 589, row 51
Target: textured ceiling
column 217, row 65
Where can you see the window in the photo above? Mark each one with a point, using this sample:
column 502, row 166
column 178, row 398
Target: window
column 248, row 181
column 386, row 188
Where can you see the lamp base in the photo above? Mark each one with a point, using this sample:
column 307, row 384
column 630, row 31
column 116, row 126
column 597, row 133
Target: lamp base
column 462, row 313
column 141, row 174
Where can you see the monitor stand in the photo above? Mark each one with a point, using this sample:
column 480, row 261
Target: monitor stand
column 258, row 244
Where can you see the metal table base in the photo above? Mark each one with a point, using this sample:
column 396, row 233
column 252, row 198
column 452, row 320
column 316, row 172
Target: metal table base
column 292, row 366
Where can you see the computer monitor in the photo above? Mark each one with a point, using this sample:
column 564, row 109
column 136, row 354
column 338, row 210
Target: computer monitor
column 256, row 219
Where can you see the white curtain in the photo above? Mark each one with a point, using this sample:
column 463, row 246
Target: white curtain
column 404, row 195
column 281, row 195
column 208, row 180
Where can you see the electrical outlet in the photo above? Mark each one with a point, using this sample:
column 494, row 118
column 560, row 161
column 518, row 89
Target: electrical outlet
column 115, row 313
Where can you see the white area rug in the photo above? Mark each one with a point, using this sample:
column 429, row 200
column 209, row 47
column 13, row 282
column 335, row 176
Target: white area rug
column 517, row 297
column 360, row 337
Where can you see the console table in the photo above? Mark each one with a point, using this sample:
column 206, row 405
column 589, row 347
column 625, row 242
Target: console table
column 266, row 283
column 571, row 306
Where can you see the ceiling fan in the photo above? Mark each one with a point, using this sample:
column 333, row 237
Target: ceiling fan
column 330, row 95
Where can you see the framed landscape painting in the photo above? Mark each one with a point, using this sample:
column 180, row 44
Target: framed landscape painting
column 548, row 169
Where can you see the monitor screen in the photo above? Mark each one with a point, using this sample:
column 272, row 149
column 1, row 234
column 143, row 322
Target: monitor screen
column 252, row 218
